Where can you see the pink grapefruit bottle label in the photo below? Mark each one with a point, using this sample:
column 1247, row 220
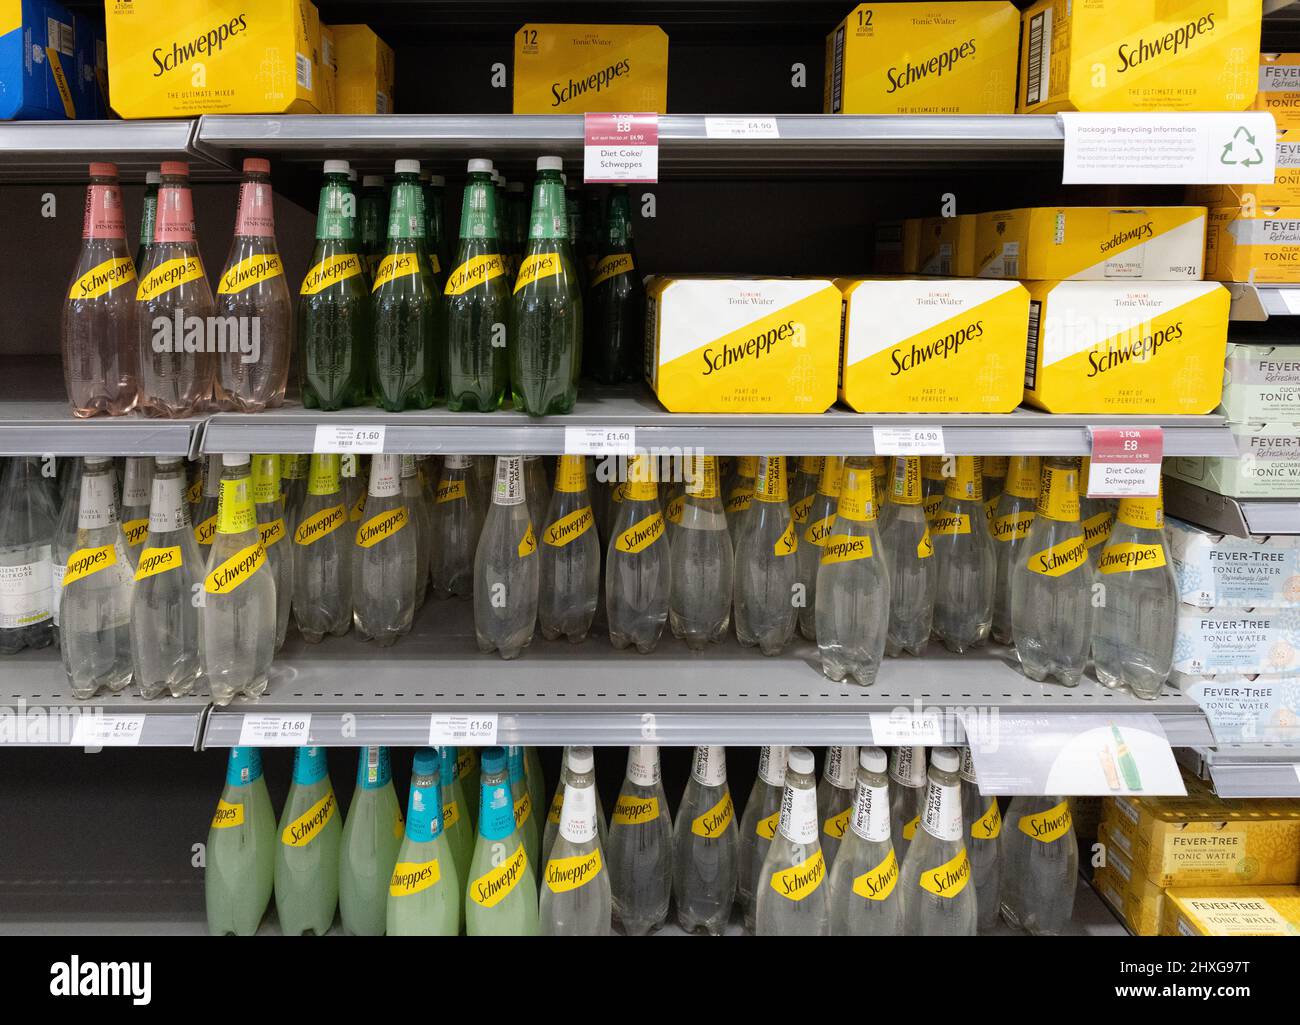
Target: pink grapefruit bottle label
column 256, row 216
column 103, row 213
column 175, row 221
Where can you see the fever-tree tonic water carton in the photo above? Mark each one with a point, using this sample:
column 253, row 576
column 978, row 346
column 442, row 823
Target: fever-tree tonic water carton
column 1231, row 911
column 742, row 345
column 1222, row 571
column 933, row 345
column 923, row 58
column 1267, row 466
column 577, row 69
column 1261, row 382
column 1279, row 88
column 1261, row 245
column 1129, row 55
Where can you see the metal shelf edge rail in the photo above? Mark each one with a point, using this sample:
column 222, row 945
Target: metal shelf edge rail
column 1253, row 770
column 100, row 436
column 1240, row 517
column 37, row 150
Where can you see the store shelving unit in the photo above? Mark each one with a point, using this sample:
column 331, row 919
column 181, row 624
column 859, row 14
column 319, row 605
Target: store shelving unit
column 1263, row 769
column 49, row 151
column 1240, row 517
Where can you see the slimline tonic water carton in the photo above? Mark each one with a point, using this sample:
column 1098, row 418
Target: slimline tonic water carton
column 577, row 69
column 1231, row 911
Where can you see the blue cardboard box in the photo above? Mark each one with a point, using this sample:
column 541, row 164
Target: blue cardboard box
column 42, row 73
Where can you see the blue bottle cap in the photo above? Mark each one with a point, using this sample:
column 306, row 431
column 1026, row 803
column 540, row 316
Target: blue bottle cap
column 426, row 762
column 493, row 760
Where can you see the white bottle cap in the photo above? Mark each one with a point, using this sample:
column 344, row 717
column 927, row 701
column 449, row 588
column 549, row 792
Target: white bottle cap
column 372, row 180
column 438, row 180
column 479, row 164
column 580, row 760
column 336, row 167
column 235, row 459
column 514, row 186
column 406, row 167
column 153, row 177
column 800, row 759
column 550, row 163
column 97, row 460
column 945, row 759
column 872, row 759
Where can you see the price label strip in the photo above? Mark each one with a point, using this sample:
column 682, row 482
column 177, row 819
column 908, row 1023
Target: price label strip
column 266, row 729
column 349, row 438
column 476, row 730
column 1125, row 462
column 620, row 148
column 908, row 441
column 599, row 441
column 741, row 128
column 108, row 731
column 906, row 728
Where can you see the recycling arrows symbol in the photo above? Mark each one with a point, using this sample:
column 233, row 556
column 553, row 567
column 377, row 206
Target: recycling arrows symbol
column 1240, row 140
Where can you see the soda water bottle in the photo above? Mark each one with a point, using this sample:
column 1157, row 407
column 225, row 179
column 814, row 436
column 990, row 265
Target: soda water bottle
column 239, row 859
column 1009, row 526
column 994, row 480
column 913, row 572
column 638, row 565
column 938, row 899
column 1042, row 865
column 165, row 623
column 1096, row 516
column 933, row 485
column 525, row 813
column 1133, row 631
column 576, row 899
column 95, row 606
column 616, row 315
column 766, row 572
column 546, row 342
column 702, row 561
column 456, row 520
column 100, row 347
column 1051, row 584
column 205, row 513
column 536, row 490
column 740, row 493
column 758, row 825
column 803, row 489
column 372, row 835
column 269, row 507
column 853, row 587
column 501, row 895
column 307, row 857
column 238, row 638
column 791, row 897
column 835, row 798
column 455, row 817
column 640, row 846
column 353, row 478
column 985, row 820
column 906, row 796
column 65, row 536
column 569, row 588
column 704, row 846
column 383, row 560
column 864, row 895
column 322, row 563
column 505, row 567
column 372, row 222
column 477, row 297
column 175, row 380
column 424, row 894
column 148, row 217
column 816, row 532
column 963, row 604
column 27, row 522
column 135, row 504
column 334, row 304
column 293, row 482
column 552, row 828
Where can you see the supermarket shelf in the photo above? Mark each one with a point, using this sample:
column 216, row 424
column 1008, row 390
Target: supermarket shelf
column 1259, row 302
column 1249, row 770
column 44, row 151
column 1239, row 517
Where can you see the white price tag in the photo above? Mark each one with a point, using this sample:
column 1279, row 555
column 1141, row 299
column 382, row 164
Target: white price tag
column 908, row 441
column 108, row 731
column 349, row 438
column 477, row 730
column 741, row 128
column 901, row 728
column 599, row 441
column 1290, row 299
column 265, row 729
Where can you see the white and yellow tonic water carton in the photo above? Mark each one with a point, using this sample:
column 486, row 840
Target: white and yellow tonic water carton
column 1126, row 347
column 173, row 59
column 1231, row 911
column 933, row 345
column 578, row 69
column 1086, row 243
column 1279, row 88
column 1262, row 245
column 1129, row 55
column 923, row 58
column 742, row 345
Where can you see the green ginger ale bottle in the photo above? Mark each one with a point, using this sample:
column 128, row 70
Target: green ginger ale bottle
column 546, row 338
column 424, row 893
column 455, row 813
column 372, row 222
column 501, row 895
column 372, row 835
column 240, row 856
column 435, row 235
column 307, row 858
column 616, row 300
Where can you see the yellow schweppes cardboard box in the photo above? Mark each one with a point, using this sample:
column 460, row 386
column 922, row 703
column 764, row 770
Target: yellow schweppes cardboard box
column 328, row 68
column 578, row 69
column 1155, row 55
column 1264, row 248
column 742, row 345
column 923, row 58
column 933, row 345
column 1161, row 243
column 1279, row 88
column 1126, row 347
column 220, row 57
column 946, row 246
column 364, row 82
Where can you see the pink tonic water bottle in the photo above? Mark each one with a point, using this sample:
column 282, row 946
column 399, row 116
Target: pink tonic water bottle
column 174, row 321
column 99, row 342
column 254, row 309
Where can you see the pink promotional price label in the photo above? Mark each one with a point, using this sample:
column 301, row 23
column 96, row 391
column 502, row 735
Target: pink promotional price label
column 620, row 148
column 1125, row 462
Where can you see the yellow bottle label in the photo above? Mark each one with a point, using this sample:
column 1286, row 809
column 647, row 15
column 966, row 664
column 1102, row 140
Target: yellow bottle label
column 1142, row 512
column 450, row 815
column 319, row 525
column 61, row 82
column 136, row 531
column 836, row 825
column 435, row 265
column 494, row 885
column 858, row 495
column 527, row 543
column 812, row 465
column 168, row 275
column 477, row 270
column 925, row 547
column 394, row 266
column 641, row 535
column 738, row 500
column 673, row 511
column 449, row 491
column 799, row 881
column 569, row 528
column 990, row 508
column 236, row 570
column 832, row 475
column 909, row 827
column 411, row 877
column 86, row 562
column 907, row 488
column 967, row 481
column 206, row 530
column 250, row 271
column 846, row 548
column 309, row 825
column 536, row 267
column 702, row 482
column 1023, row 473
column 1060, row 559
column 571, row 474
column 766, row 827
column 950, row 878
column 1096, row 528
column 788, row 542
column 799, row 510
column 633, row 811
column 272, row 532
column 770, row 485
column 932, row 504
column 235, row 512
column 1130, row 557
column 266, row 478
column 950, row 523
column 323, row 478
column 557, row 806
column 563, row 874
column 195, row 491
column 819, row 531
column 996, row 466
column 1012, row 526
column 228, row 815
column 523, row 809
column 611, row 266
column 878, row 883
column 103, row 278
column 380, row 527
column 158, row 560
column 330, row 271
column 1049, row 825
column 1058, row 494
column 714, row 822
column 989, row 825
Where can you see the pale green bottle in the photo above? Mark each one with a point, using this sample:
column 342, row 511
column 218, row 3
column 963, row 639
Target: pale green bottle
column 372, row 835
column 455, row 813
column 501, row 895
column 535, row 781
column 525, row 815
column 467, row 771
column 240, row 856
column 307, row 858
column 424, row 892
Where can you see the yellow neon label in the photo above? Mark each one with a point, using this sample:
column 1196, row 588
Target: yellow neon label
column 228, row 815
column 477, row 270
column 136, row 531
column 536, row 267
column 641, row 535
column 950, row 878
column 235, row 570
column 394, row 266
column 494, row 885
column 798, row 881
column 1128, row 558
column 449, row 491
column 1049, row 825
column 836, row 825
column 527, row 543
column 846, row 548
column 319, row 525
column 611, row 266
column 1012, row 526
column 569, row 528
column 989, row 825
column 950, row 523
column 714, row 822
column 878, row 883
column 271, row 532
column 788, row 542
column 632, row 811
column 1060, row 559
column 563, row 874
column 766, row 827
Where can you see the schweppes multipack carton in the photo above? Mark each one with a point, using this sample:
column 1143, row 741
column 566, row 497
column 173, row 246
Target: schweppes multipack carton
column 578, row 69
column 220, row 57
column 1231, row 911
column 923, row 58
column 49, row 63
column 939, row 245
column 364, row 82
column 933, row 345
column 1161, row 243
column 1279, row 88
column 1149, row 55
column 1126, row 346
column 742, row 345
column 1262, row 246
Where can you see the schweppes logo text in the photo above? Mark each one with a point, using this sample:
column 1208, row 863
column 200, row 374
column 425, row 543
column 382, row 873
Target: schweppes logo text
column 1011, row 527
column 385, row 525
column 136, row 531
column 569, row 528
column 271, row 532
column 235, row 570
column 798, row 881
column 989, row 825
column 846, row 548
column 103, row 278
column 477, row 270
column 449, row 491
column 570, row 873
column 1060, row 559
column 536, row 267
column 307, row 826
column 493, row 886
column 611, row 267
column 950, row 878
column 168, row 275
column 1168, row 45
column 330, row 271
column 755, row 347
column 318, row 525
column 394, row 266
column 250, row 271
column 411, row 877
column 936, row 348
column 86, row 561
column 157, row 560
column 228, row 815
column 1128, row 558
column 1048, row 825
column 1132, row 346
column 879, row 882
column 950, row 523
column 641, row 535
column 713, row 823
column 633, row 811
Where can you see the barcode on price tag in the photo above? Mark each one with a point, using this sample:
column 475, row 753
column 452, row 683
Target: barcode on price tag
column 901, row 728
column 463, row 730
column 741, row 128
column 348, row 438
column 908, row 441
column 108, row 731
column 1125, row 462
column 264, row 729
column 599, row 441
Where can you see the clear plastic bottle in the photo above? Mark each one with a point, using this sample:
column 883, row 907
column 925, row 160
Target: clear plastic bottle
column 864, row 895
column 705, row 847
column 1133, row 631
column 853, row 591
column 985, row 824
column 456, row 521
column 537, row 490
column 576, row 898
column 505, row 567
column 1041, row 858
column 701, row 575
column 239, row 859
column 501, row 891
column 322, row 558
column 994, row 481
column 552, row 827
column 353, row 477
column 1096, row 516
column 640, row 846
column 906, row 796
column 569, row 567
column 934, row 482
column 293, row 483
column 792, row 895
column 135, row 504
column 65, row 536
column 95, row 607
column 765, row 588
column 740, row 492
column 204, row 516
column 835, row 798
column 758, row 826
column 938, row 899
column 963, row 605
column 383, row 560
column 812, row 540
column 238, row 638
column 525, row 814
column 307, row 856
column 455, row 816
column 27, row 523
column 803, row 488
column 166, row 626
column 417, row 507
column 638, row 564
column 913, row 569
column 424, row 894
column 269, row 505
column 1009, row 527
column 1051, row 584
column 372, row 835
